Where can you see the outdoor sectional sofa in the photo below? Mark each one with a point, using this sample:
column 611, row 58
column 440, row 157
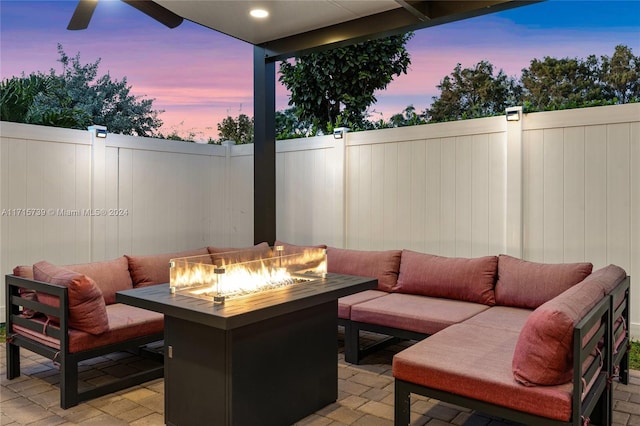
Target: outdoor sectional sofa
column 69, row 314
column 494, row 333
column 530, row 342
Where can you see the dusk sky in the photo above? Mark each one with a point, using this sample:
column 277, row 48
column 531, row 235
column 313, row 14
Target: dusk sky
column 198, row 76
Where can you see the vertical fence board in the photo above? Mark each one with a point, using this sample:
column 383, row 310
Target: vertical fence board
column 497, row 194
column 433, row 185
column 533, row 195
column 480, row 196
column 595, row 181
column 448, row 198
column 618, row 194
column 388, row 182
column 553, row 182
column 463, row 196
column 574, row 195
column 404, row 201
column 419, row 200
column 634, row 269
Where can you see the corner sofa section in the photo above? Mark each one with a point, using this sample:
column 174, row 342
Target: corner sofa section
column 69, row 314
column 531, row 342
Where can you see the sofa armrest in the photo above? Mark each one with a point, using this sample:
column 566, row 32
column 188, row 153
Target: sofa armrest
column 592, row 343
column 620, row 321
column 16, row 303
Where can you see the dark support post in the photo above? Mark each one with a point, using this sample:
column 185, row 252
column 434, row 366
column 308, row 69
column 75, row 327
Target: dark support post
column 402, row 402
column 264, row 148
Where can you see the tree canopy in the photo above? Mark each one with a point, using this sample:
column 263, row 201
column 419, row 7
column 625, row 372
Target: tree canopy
column 335, row 87
column 76, row 98
column 239, row 129
column 472, row 93
column 547, row 84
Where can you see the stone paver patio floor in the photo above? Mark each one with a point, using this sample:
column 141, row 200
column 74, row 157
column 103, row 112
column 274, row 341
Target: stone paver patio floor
column 365, row 397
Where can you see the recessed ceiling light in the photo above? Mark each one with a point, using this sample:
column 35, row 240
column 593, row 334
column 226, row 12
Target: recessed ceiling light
column 259, row 13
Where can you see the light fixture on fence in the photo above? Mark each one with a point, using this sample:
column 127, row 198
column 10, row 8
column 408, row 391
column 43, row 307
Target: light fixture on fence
column 338, row 132
column 100, row 131
column 513, row 114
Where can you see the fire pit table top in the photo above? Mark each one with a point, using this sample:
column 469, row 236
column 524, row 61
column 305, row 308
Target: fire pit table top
column 239, row 312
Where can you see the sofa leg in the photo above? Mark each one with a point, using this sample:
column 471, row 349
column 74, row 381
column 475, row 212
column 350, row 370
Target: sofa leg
column 602, row 411
column 68, row 383
column 13, row 361
column 351, row 344
column 624, row 369
column 402, row 409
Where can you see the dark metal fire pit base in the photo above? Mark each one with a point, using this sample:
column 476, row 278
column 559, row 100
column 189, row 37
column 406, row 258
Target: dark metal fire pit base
column 271, row 373
column 270, row 359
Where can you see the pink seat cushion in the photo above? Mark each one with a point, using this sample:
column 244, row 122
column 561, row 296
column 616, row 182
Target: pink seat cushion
column 154, row 269
column 421, row 314
column 110, row 276
column 383, row 265
column 87, row 310
column 125, row 323
column 543, row 355
column 451, row 277
column 501, row 318
column 527, row 284
column 474, row 362
column 345, row 303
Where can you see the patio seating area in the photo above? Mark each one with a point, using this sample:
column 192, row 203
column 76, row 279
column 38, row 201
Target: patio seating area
column 365, row 396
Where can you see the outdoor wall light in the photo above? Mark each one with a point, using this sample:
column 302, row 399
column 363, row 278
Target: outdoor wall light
column 338, row 132
column 100, row 131
column 513, row 114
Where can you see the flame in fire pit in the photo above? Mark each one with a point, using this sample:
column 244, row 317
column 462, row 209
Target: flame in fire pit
column 202, row 276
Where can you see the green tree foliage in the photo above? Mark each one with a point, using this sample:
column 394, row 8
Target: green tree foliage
column 239, row 129
column 472, row 93
column 552, row 83
column 289, row 126
column 547, row 84
column 408, row 117
column 621, row 74
column 21, row 100
column 76, row 98
column 335, row 87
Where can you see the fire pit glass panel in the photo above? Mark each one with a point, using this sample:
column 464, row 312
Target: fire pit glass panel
column 239, row 273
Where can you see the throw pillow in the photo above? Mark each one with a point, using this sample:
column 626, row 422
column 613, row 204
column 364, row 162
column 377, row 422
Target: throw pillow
column 87, row 310
column 525, row 284
column 383, row 265
column 470, row 279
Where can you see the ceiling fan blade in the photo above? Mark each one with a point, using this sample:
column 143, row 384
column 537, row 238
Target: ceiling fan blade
column 82, row 15
column 157, row 12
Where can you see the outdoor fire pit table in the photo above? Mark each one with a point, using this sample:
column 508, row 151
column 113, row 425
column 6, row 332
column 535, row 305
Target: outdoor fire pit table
column 264, row 359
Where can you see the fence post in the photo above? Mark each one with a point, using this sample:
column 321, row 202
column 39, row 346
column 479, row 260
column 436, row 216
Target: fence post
column 514, row 225
column 98, row 220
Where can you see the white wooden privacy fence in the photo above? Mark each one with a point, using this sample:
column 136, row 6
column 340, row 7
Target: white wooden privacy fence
column 552, row 187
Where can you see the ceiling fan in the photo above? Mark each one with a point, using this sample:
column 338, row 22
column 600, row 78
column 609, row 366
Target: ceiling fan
column 84, row 11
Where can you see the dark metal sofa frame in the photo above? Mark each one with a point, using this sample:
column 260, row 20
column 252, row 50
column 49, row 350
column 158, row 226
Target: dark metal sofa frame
column 620, row 360
column 354, row 351
column 69, row 392
column 596, row 404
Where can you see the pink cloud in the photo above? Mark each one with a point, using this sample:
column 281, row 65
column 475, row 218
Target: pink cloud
column 199, row 76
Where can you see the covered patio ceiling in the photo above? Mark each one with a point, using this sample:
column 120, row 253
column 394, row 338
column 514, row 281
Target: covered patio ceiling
column 296, row 27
